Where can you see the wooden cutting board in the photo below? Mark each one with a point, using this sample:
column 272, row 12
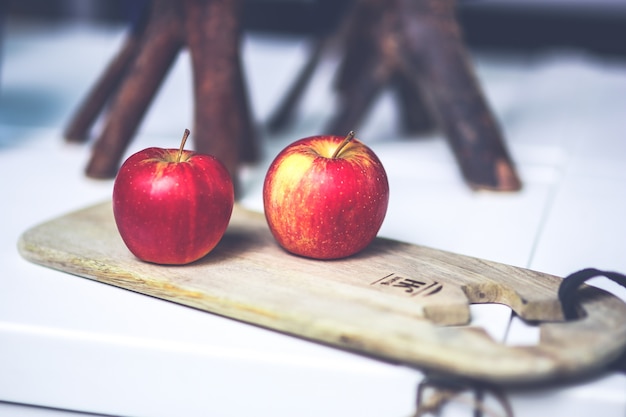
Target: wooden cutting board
column 394, row 301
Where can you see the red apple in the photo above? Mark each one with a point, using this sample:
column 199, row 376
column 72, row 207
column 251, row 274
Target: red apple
column 325, row 197
column 172, row 206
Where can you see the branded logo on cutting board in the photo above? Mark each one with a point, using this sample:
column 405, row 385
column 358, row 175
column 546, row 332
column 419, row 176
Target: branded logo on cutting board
column 409, row 286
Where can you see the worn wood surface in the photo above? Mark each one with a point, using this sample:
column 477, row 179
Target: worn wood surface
column 394, row 301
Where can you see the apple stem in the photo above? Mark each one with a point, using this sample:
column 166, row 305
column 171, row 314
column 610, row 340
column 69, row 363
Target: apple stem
column 343, row 144
column 182, row 145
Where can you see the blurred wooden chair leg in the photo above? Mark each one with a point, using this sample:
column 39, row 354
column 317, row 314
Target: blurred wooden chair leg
column 222, row 117
column 415, row 47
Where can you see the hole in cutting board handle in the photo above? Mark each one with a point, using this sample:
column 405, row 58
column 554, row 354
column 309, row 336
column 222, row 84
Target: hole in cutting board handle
column 522, row 333
column 538, row 309
column 502, row 325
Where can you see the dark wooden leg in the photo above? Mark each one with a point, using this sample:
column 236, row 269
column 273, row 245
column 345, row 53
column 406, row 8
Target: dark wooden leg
column 360, row 39
column 249, row 149
column 416, row 48
column 159, row 47
column 415, row 116
column 355, row 101
column 367, row 66
column 221, row 115
column 223, row 123
column 284, row 114
column 87, row 113
column 436, row 52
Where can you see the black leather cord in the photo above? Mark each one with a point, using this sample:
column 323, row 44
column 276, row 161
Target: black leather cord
column 569, row 288
column 568, row 296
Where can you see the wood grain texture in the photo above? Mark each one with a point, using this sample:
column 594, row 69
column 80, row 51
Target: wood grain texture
column 395, row 301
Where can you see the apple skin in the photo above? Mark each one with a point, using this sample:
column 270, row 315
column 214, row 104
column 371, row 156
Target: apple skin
column 172, row 211
column 321, row 207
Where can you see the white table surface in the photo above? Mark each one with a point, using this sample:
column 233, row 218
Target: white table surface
column 68, row 343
